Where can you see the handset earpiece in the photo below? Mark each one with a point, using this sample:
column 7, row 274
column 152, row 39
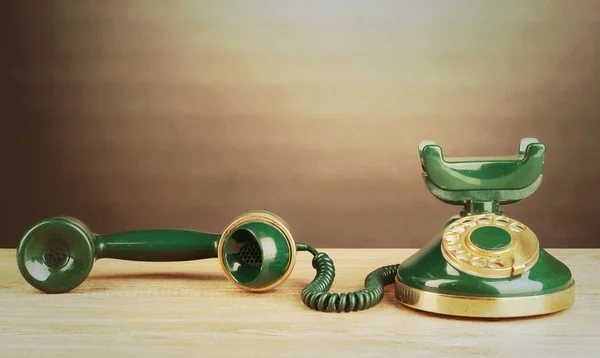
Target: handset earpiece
column 56, row 255
column 256, row 251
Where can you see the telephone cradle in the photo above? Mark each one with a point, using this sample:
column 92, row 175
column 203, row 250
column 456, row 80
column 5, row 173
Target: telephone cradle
column 481, row 264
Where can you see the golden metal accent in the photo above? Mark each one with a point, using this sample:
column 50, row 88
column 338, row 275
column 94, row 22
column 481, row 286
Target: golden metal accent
column 261, row 216
column 485, row 307
column 516, row 258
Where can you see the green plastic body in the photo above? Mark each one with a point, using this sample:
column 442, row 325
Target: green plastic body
column 427, row 270
column 481, row 185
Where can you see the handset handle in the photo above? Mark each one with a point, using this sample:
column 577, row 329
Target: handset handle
column 157, row 245
column 56, row 255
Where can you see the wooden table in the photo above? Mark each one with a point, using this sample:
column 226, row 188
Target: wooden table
column 190, row 309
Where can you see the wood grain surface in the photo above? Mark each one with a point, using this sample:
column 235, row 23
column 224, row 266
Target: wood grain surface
column 127, row 309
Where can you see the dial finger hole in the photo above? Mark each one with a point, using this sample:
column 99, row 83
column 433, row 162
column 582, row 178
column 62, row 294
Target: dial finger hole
column 496, row 264
column 502, row 221
column 516, row 227
column 453, row 248
column 484, row 220
column 479, row 262
column 469, row 223
column 451, row 238
column 463, row 255
column 459, row 229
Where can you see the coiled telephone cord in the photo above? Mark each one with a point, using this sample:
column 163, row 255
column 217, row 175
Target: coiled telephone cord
column 316, row 294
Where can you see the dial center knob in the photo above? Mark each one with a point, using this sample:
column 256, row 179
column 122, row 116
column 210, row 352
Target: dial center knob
column 490, row 238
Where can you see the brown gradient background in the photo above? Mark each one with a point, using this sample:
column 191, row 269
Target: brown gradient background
column 153, row 114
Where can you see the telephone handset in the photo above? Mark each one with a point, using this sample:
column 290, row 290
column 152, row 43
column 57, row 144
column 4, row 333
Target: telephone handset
column 482, row 264
column 256, row 251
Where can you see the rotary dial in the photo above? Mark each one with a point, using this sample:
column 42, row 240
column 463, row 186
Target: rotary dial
column 490, row 246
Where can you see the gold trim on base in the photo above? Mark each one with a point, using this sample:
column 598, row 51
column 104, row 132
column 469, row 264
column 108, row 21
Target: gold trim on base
column 485, row 307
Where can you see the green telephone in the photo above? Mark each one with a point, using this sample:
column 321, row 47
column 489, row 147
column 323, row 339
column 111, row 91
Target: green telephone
column 481, row 264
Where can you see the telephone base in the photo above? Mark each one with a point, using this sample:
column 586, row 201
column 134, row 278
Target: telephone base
column 428, row 282
column 485, row 307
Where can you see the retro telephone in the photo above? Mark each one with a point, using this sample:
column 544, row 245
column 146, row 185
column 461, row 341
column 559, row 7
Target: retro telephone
column 481, row 264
